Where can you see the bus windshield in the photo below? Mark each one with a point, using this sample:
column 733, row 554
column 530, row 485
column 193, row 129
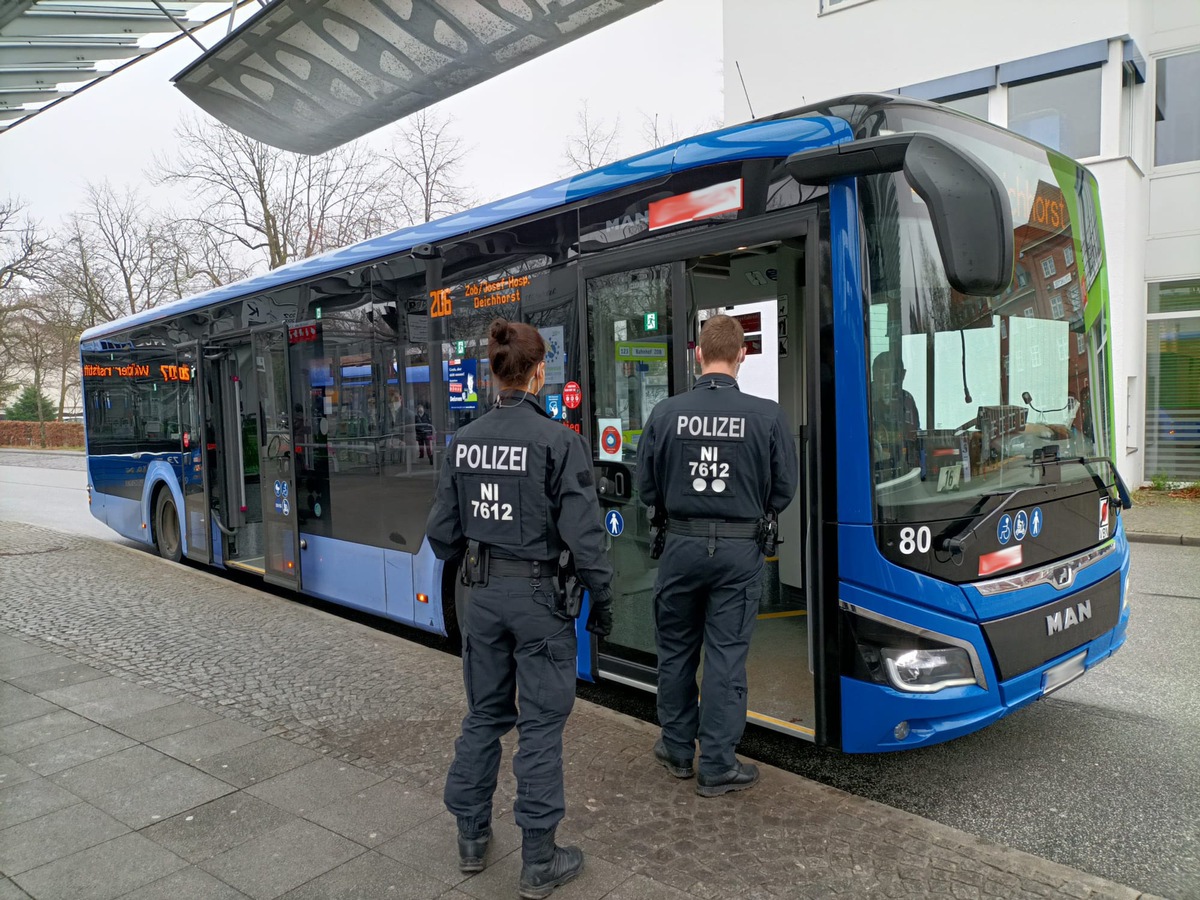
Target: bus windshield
column 975, row 395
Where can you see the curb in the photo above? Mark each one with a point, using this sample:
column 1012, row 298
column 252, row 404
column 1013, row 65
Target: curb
column 1150, row 537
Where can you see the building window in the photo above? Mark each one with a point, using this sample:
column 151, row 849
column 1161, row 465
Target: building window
column 1080, row 343
column 1056, row 306
column 1073, row 296
column 1173, row 381
column 1177, row 109
column 972, row 104
column 1029, row 312
column 1069, row 256
column 1062, row 112
column 1048, row 269
column 1022, row 276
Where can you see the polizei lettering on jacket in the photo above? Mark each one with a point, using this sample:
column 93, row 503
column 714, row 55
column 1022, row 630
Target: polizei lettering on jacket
column 491, row 457
column 711, row 426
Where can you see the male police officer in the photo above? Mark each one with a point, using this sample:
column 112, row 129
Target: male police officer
column 516, row 488
column 720, row 464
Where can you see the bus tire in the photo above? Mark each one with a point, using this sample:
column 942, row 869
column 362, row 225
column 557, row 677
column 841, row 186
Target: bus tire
column 167, row 537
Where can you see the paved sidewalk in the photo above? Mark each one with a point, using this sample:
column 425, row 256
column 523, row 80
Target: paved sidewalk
column 166, row 733
column 1157, row 518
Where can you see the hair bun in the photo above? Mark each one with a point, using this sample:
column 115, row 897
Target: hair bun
column 500, row 331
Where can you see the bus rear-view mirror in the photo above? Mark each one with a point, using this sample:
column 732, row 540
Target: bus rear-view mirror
column 968, row 204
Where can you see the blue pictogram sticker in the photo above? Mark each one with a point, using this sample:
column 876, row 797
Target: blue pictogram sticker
column 1021, row 526
column 287, row 507
column 614, row 522
column 1004, row 528
column 1035, row 522
column 285, row 488
column 278, row 489
column 554, row 407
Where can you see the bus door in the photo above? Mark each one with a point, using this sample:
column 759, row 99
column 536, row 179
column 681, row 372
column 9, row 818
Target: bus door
column 764, row 287
column 280, row 542
column 194, row 439
column 631, row 345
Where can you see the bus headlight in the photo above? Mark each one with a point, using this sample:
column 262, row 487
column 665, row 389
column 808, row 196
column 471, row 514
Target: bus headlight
column 926, row 671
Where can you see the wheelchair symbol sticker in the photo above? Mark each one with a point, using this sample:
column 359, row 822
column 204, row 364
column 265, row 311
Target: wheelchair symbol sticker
column 615, row 523
column 1004, row 528
column 1021, row 526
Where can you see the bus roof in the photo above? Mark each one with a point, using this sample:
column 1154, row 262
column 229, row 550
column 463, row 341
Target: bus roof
column 763, row 138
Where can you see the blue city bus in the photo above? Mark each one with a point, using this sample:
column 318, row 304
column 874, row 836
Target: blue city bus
column 925, row 294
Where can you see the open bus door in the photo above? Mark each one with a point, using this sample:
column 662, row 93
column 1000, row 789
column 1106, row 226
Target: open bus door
column 277, row 464
column 194, row 439
column 644, row 308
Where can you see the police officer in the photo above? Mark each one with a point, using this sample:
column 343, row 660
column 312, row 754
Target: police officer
column 720, row 464
column 516, row 488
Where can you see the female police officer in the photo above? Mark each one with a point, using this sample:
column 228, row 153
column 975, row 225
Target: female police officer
column 515, row 488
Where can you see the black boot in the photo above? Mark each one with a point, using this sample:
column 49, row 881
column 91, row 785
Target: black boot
column 545, row 865
column 472, row 847
column 741, row 776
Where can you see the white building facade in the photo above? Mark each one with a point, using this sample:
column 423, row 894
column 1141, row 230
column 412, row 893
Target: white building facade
column 1112, row 83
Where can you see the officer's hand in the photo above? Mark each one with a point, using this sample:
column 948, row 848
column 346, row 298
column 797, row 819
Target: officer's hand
column 599, row 620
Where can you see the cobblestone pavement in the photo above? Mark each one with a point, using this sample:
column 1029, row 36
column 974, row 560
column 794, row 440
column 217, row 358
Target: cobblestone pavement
column 169, row 733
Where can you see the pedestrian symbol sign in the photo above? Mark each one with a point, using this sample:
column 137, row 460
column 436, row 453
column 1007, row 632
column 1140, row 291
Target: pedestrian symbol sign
column 650, row 321
column 614, row 522
column 1035, row 522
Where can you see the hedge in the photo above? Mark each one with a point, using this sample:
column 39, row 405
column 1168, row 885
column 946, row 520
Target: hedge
column 28, row 434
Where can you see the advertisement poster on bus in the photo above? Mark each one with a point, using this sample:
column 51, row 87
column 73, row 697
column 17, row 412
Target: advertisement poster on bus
column 556, row 357
column 462, row 385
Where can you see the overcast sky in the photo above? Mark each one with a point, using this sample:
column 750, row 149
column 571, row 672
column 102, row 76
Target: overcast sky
column 664, row 60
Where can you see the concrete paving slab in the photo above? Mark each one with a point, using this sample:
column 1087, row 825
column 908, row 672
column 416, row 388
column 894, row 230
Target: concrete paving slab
column 41, row 729
column 281, row 860
column 15, row 648
column 217, row 826
column 73, row 750
column 14, row 772
column 55, row 835
column 56, row 678
column 31, row 799
column 9, row 891
column 110, row 709
column 381, row 812
column 425, row 848
column 259, row 761
column 162, row 721
column 191, row 883
column 38, row 661
column 313, row 786
column 102, row 872
column 19, row 706
column 161, row 796
column 206, row 740
column 116, row 772
column 101, row 688
column 369, row 877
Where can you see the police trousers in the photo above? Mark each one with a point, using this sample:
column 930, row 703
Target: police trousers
column 708, row 602
column 518, row 669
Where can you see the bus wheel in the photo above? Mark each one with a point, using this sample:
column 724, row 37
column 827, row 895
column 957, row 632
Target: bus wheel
column 166, row 527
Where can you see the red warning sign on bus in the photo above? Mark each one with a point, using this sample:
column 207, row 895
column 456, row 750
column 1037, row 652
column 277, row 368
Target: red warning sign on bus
column 572, row 395
column 611, row 439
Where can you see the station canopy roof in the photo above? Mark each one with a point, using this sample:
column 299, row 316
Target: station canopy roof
column 51, row 50
column 309, row 75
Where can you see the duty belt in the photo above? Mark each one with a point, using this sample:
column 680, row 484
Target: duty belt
column 713, row 529
column 523, row 568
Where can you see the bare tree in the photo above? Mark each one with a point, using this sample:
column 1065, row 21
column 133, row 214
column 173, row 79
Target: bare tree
column 594, row 145
column 272, row 204
column 24, row 250
column 426, row 159
column 658, row 131
column 33, row 353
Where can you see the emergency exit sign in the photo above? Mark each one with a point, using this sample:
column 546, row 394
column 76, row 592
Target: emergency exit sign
column 651, row 321
column 460, row 347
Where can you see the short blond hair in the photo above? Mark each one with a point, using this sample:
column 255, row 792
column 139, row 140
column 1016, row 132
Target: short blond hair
column 722, row 339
